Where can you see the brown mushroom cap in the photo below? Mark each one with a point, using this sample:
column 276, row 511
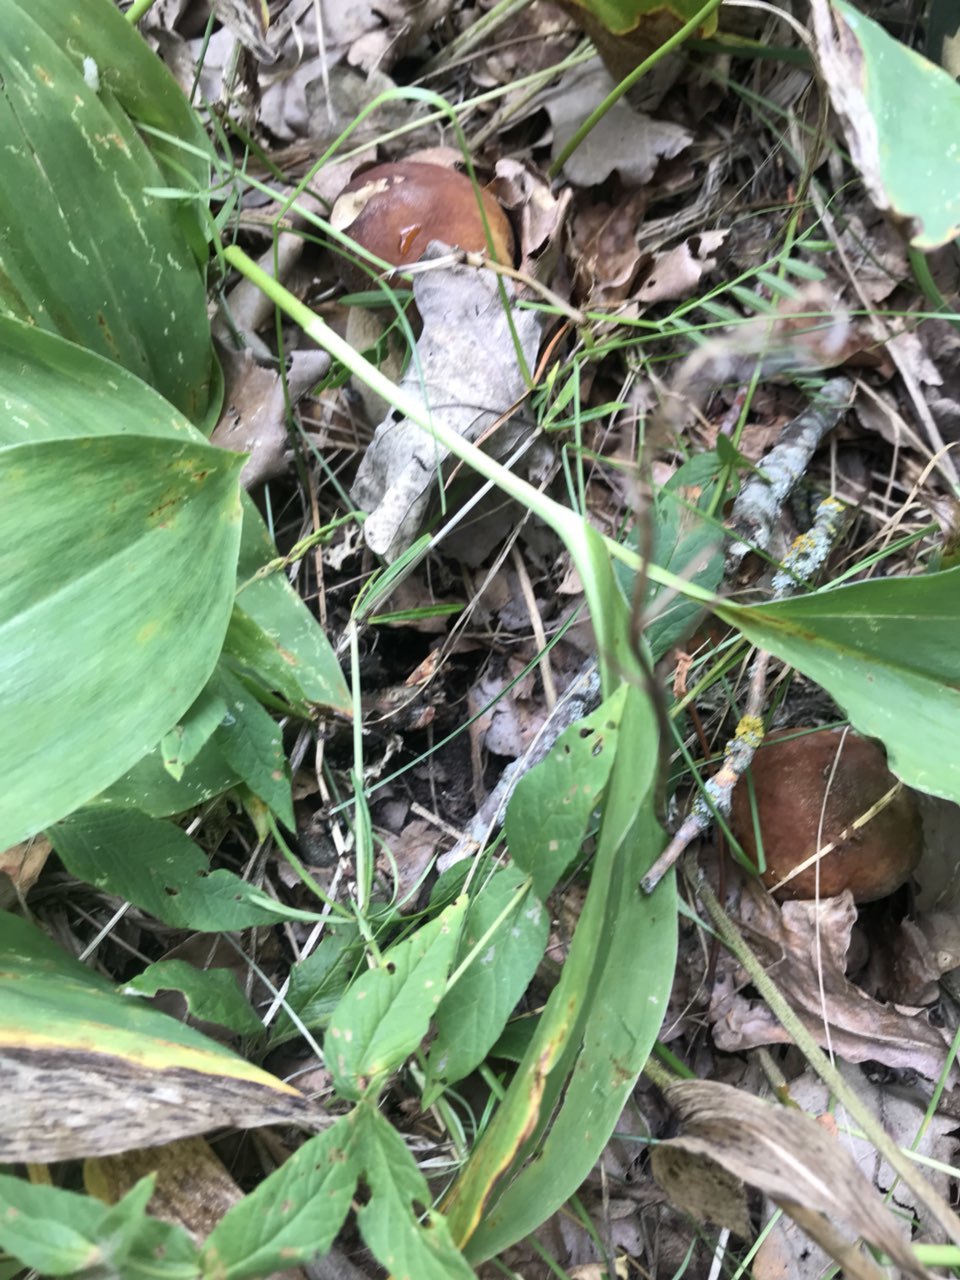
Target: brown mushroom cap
column 395, row 210
column 791, row 776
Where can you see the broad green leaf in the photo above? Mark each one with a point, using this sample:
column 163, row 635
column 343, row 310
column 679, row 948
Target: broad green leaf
column 475, row 1009
column 85, row 251
column 184, row 742
column 61, row 1233
column 901, row 119
column 293, row 1216
column 386, row 1012
column 134, row 78
column 158, row 867
column 132, row 619
column 125, row 1074
column 252, row 743
column 537, row 1085
column 212, row 995
column 151, row 787
column 274, row 635
column 887, row 652
column 55, row 390
column 551, row 805
column 401, row 1230
column 629, row 942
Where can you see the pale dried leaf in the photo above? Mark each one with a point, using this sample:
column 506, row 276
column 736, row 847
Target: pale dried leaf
column 624, row 140
column 785, row 1153
column 468, row 374
column 21, row 864
column 677, row 273
column 254, row 417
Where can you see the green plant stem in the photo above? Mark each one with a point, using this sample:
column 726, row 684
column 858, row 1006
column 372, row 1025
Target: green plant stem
column 138, row 9
column 627, row 84
column 571, row 528
column 733, row 940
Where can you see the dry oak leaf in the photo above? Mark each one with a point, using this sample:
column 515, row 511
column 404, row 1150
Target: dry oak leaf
column 860, row 1029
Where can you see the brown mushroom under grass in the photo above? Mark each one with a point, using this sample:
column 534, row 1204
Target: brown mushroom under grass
column 830, row 815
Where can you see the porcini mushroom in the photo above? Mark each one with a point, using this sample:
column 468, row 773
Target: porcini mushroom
column 395, row 210
column 831, row 792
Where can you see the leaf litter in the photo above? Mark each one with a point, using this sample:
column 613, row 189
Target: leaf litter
column 665, row 204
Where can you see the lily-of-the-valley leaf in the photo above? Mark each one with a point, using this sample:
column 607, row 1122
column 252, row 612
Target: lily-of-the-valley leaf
column 132, row 619
column 886, row 651
column 75, row 164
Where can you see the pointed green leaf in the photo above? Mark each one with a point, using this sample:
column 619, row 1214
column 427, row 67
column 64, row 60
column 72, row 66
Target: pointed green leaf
column 61, row 1233
column 184, row 742
column 475, row 1009
column 274, row 635
column 149, row 785
column 404, row 1234
column 293, row 1216
column 551, row 805
column 157, row 866
column 386, row 1012
column 212, row 995
column 252, row 743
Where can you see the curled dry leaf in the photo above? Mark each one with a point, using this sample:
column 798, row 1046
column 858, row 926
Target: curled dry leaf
column 537, row 214
column 804, row 945
column 785, row 1153
column 785, row 1254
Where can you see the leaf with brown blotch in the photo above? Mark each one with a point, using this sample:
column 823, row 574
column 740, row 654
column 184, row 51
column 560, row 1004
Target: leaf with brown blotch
column 88, row 1072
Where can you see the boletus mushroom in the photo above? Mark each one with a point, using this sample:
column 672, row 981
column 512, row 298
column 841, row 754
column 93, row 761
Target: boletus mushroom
column 395, row 210
column 832, row 792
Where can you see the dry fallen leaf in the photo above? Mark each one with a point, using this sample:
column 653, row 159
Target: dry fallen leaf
column 624, row 140
column 20, row 865
column 256, row 403
column 677, row 273
column 467, row 371
column 785, row 1253
column 789, row 1156
column 813, row 978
